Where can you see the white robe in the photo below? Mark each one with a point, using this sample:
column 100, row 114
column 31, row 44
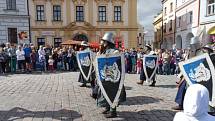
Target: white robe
column 196, row 103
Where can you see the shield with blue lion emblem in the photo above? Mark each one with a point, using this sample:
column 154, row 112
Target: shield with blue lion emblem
column 84, row 59
column 200, row 69
column 150, row 64
column 110, row 73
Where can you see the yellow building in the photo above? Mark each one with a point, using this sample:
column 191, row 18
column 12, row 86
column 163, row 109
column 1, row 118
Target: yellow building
column 158, row 35
column 54, row 21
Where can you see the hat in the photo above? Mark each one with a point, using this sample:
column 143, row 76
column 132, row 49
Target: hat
column 148, row 46
column 108, row 37
column 84, row 43
column 209, row 47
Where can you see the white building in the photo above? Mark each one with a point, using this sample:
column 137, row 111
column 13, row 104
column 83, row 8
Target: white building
column 187, row 22
column 14, row 19
column 207, row 20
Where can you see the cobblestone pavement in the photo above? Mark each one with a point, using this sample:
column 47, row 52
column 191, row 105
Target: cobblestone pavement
column 54, row 97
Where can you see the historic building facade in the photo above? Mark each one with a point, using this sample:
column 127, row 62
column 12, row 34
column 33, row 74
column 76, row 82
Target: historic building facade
column 158, row 33
column 187, row 22
column 207, row 20
column 53, row 21
column 14, row 19
column 168, row 24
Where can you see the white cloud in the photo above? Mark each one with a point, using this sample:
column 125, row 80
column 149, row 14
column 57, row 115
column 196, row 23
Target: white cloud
column 146, row 10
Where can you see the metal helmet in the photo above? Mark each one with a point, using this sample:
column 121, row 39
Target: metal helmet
column 84, row 43
column 148, row 46
column 195, row 43
column 108, row 37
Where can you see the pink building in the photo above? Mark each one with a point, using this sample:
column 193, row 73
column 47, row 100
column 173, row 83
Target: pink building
column 187, row 22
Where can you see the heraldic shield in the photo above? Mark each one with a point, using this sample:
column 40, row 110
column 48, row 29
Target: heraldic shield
column 200, row 69
column 84, row 59
column 110, row 73
column 150, row 64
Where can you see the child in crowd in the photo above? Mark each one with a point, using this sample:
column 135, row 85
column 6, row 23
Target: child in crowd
column 139, row 66
column 51, row 63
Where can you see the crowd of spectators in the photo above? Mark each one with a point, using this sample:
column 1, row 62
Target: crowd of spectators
column 26, row 58
column 167, row 63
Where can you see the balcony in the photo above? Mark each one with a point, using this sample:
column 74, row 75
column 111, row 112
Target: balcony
column 211, row 9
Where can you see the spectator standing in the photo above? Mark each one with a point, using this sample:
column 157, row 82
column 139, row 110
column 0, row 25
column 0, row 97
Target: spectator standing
column 42, row 59
column 33, row 56
column 172, row 64
column 60, row 63
column 48, row 51
column 69, row 57
column 65, row 58
column 12, row 55
column 128, row 61
column 7, row 57
column 51, row 62
column 20, row 55
column 139, row 61
column 133, row 60
column 166, row 62
column 160, row 62
column 28, row 52
column 55, row 58
column 2, row 60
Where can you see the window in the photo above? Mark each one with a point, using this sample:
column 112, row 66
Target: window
column 179, row 21
column 41, row 41
column 211, row 7
column 79, row 13
column 57, row 42
column 170, row 25
column 102, row 13
column 12, row 35
column 57, row 13
column 11, row 4
column 117, row 13
column 190, row 18
column 164, row 28
column 165, row 10
column 171, row 7
column 40, row 13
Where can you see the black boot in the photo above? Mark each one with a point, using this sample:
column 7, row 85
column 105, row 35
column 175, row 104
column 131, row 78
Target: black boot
column 111, row 115
column 106, row 111
column 179, row 107
column 83, row 85
column 153, row 84
column 140, row 82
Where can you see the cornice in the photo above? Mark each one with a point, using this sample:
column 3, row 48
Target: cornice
column 115, row 1
column 78, row 2
column 101, row 1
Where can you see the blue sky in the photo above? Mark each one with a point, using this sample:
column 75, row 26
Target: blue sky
column 146, row 10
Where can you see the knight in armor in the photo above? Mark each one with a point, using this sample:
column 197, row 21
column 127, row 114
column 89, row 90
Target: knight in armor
column 108, row 47
column 148, row 51
column 195, row 50
column 84, row 46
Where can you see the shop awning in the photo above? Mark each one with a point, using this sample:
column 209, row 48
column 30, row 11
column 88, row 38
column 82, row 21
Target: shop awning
column 94, row 44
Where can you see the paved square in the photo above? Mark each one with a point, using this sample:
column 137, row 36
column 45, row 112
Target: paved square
column 58, row 97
